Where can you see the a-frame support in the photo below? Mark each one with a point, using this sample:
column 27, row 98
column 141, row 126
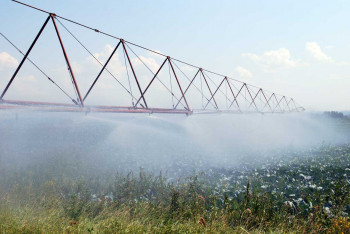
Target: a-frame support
column 52, row 17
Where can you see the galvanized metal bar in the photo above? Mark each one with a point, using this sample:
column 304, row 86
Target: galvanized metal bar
column 178, row 83
column 133, row 72
column 149, row 84
column 24, row 58
column 187, row 88
column 103, row 68
column 67, row 60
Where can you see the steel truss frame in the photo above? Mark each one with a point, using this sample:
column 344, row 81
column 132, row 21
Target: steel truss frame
column 141, row 105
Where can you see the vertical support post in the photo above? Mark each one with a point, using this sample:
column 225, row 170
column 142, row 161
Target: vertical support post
column 24, row 58
column 99, row 74
column 178, row 83
column 229, row 85
column 187, row 88
column 133, row 72
column 215, row 92
column 67, row 60
column 201, row 70
column 155, row 75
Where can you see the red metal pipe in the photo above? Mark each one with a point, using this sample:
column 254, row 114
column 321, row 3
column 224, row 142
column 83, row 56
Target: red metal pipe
column 41, row 106
column 133, row 72
column 67, row 60
column 208, row 87
column 178, row 83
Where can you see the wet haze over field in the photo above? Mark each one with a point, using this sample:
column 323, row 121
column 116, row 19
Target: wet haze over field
column 106, row 143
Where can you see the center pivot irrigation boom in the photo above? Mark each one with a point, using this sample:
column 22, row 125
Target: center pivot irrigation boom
column 215, row 92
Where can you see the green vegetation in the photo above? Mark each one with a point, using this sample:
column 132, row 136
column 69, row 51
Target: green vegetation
column 300, row 192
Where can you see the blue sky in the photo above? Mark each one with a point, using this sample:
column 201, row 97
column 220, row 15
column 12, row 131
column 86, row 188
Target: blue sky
column 297, row 48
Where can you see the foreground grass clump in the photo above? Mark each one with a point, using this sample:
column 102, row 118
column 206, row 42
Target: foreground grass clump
column 295, row 193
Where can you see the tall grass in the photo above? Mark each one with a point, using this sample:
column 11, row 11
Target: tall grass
column 58, row 198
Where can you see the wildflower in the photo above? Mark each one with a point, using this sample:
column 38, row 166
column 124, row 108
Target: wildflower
column 202, row 222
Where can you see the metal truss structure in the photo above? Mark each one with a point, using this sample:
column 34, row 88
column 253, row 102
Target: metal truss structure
column 219, row 94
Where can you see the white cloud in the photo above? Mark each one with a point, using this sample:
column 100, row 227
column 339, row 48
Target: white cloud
column 7, row 61
column 76, row 67
column 115, row 66
column 244, row 72
column 188, row 68
column 317, row 52
column 29, row 78
column 150, row 62
column 280, row 58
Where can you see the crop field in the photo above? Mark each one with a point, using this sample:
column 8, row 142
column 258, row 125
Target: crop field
column 282, row 190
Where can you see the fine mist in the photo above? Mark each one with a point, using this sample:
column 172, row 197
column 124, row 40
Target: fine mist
column 106, row 143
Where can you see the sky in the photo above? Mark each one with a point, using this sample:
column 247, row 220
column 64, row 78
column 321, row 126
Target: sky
column 296, row 48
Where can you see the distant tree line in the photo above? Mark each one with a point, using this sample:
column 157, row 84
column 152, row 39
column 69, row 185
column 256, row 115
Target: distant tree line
column 335, row 114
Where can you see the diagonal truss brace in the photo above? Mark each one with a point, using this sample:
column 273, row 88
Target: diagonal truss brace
column 212, row 97
column 187, row 88
column 235, row 98
column 168, row 59
column 103, row 68
column 67, row 60
column 24, row 58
